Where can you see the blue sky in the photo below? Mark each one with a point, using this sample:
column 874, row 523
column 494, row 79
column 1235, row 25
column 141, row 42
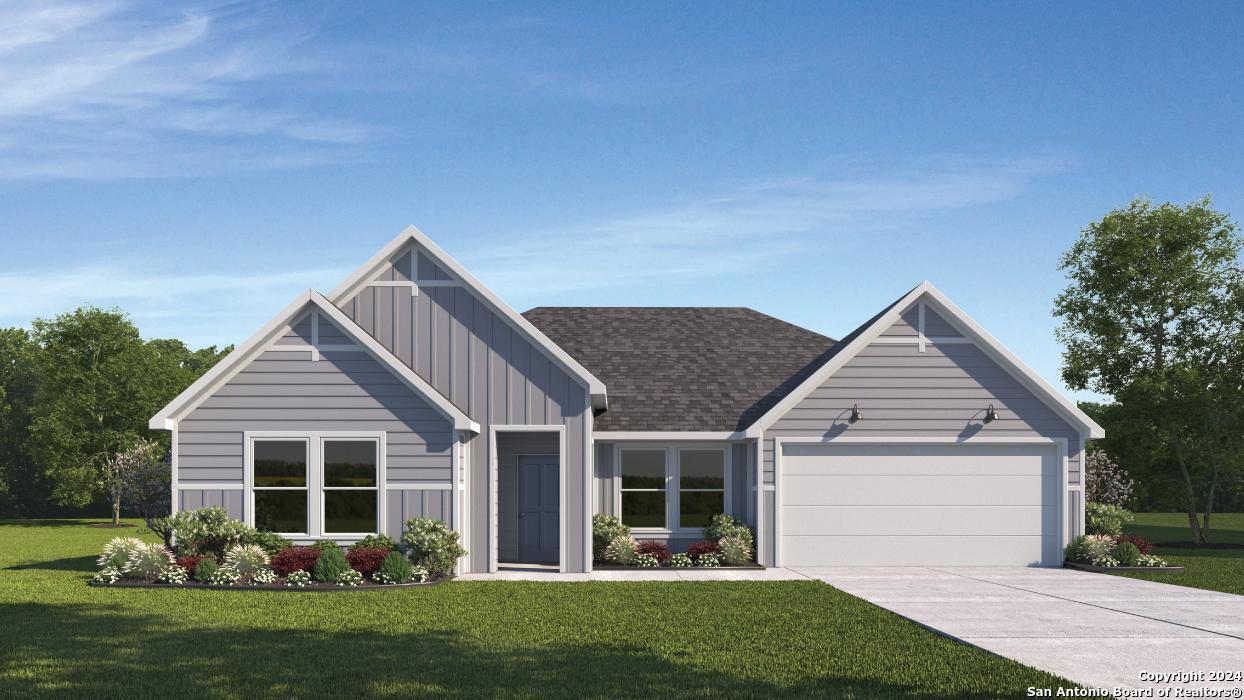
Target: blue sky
column 200, row 165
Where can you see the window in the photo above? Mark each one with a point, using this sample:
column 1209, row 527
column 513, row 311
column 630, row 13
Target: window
column 643, row 488
column 701, row 486
column 675, row 488
column 280, row 474
column 350, row 490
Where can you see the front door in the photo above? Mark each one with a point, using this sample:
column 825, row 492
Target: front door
column 539, row 522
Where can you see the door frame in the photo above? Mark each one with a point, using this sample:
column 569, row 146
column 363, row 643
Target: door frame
column 1058, row 444
column 493, row 471
column 518, row 459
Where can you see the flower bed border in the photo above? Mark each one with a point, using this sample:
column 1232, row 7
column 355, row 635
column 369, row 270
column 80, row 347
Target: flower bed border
column 616, row 567
column 310, row 588
column 1107, row 569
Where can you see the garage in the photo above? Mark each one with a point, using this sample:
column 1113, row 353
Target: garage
column 919, row 504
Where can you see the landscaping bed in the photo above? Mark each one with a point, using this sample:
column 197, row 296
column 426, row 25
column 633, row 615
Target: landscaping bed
column 727, row 544
column 1168, row 569
column 313, row 587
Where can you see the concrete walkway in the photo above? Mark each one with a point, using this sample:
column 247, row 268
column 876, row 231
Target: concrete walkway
column 1098, row 630
column 537, row 574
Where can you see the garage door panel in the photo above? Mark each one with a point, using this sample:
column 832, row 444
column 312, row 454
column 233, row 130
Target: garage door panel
column 891, row 489
column 947, row 521
column 919, row 504
column 855, row 550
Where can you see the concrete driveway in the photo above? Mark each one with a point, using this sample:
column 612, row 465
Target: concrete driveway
column 1098, row 630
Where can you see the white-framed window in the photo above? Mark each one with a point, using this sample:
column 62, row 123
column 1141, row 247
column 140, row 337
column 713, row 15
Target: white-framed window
column 327, row 484
column 668, row 488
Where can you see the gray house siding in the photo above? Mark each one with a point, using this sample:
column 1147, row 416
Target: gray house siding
column 404, row 504
column 451, row 337
column 902, row 392
column 288, row 390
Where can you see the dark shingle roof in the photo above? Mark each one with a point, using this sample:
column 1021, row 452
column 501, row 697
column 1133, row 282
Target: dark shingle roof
column 678, row 368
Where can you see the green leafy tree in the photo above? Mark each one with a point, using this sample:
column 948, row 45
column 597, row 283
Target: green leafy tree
column 98, row 383
column 1153, row 315
column 19, row 480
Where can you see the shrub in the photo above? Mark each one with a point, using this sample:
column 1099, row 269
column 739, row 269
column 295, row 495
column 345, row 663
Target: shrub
column 702, row 548
column 206, row 531
column 269, row 542
column 656, row 549
column 224, row 576
column 419, row 574
column 298, row 579
column 394, row 568
column 1151, row 560
column 375, row 542
column 1105, row 481
column 349, row 577
column 680, row 560
column 432, row 545
column 325, row 545
column 621, row 550
column 366, row 561
column 263, row 577
column 708, row 560
column 645, row 561
column 174, row 574
column 246, row 559
column 108, row 574
column 117, row 553
column 722, row 526
column 287, row 561
column 605, row 529
column 190, row 563
column 148, row 562
column 1093, row 549
column 330, row 565
column 735, row 551
column 1144, row 545
column 205, row 570
column 1102, row 519
column 1127, row 553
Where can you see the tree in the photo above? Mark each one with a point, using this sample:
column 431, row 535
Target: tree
column 20, row 482
column 1153, row 315
column 1105, row 482
column 98, row 384
column 139, row 477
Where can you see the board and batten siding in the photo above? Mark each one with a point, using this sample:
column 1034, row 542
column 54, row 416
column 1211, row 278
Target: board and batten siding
column 288, row 390
column 478, row 360
column 903, row 392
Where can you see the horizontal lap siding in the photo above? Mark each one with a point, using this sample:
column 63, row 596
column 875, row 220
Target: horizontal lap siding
column 343, row 391
column 474, row 357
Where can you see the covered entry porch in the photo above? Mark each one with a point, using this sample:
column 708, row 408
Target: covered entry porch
column 528, row 497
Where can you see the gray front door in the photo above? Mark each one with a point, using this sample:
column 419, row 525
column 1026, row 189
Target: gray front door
column 539, row 523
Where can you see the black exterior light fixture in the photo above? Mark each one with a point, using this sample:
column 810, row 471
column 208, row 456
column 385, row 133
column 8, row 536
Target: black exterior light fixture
column 855, row 413
column 990, row 414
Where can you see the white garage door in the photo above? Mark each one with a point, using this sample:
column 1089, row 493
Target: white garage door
column 919, row 505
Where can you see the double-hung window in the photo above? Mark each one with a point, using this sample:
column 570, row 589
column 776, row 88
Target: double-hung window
column 316, row 485
column 672, row 488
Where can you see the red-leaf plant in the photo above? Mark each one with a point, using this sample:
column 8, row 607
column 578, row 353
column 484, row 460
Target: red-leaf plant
column 190, row 563
column 701, row 548
column 1144, row 545
column 367, row 560
column 292, row 559
column 656, row 549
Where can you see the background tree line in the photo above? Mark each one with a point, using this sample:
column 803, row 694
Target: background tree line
column 76, row 392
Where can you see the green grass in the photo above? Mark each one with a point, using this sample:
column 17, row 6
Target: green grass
column 1213, row 569
column 60, row 637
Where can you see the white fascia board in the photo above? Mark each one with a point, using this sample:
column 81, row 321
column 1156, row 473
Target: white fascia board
column 222, row 371
column 1025, row 374
column 827, row 370
column 232, row 363
column 663, row 435
column 969, row 327
column 360, row 278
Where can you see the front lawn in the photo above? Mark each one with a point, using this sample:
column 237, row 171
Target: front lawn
column 1213, row 569
column 60, row 637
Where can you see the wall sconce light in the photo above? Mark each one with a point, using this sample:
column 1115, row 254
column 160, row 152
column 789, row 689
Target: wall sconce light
column 990, row 414
column 855, row 413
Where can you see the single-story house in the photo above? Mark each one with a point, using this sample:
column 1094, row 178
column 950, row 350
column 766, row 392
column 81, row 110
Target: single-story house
column 413, row 390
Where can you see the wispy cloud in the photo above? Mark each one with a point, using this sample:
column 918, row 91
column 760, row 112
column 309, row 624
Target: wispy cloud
column 750, row 225
column 202, row 309
column 115, row 89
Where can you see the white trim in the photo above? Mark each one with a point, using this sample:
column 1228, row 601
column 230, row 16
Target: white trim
column 921, row 322
column 360, row 278
column 379, row 489
column 174, row 482
column 673, row 470
column 1060, row 454
column 655, row 435
column 265, row 338
column 493, row 472
column 926, row 292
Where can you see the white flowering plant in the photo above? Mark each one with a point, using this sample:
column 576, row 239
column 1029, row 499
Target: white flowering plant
column 419, row 574
column 645, row 561
column 263, row 577
column 147, row 562
column 247, row 559
column 1151, row 560
column 621, row 550
column 108, row 574
column 708, row 560
column 117, row 553
column 175, row 575
column 298, row 579
column 224, row 576
column 349, row 577
column 680, row 560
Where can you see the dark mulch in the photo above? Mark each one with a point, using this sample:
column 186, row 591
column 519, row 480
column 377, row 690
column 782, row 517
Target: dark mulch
column 1200, row 545
column 110, row 525
column 1116, row 569
column 314, row 586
